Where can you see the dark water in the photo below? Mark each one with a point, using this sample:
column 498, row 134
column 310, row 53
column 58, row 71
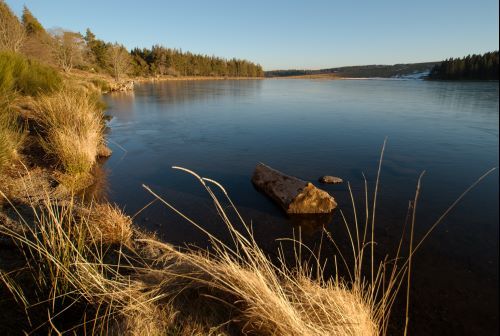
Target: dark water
column 221, row 129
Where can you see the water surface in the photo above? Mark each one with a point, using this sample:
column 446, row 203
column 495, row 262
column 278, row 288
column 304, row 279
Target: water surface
column 308, row 128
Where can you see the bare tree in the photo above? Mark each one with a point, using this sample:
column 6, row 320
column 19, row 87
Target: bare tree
column 119, row 59
column 12, row 32
column 68, row 49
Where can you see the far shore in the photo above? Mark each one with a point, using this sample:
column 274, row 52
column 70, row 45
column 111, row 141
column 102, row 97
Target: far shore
column 331, row 77
column 190, row 78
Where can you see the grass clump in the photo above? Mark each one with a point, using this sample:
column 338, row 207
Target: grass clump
column 72, row 128
column 108, row 224
column 101, row 84
column 11, row 134
column 26, row 76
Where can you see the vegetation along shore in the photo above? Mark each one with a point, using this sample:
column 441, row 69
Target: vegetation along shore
column 70, row 263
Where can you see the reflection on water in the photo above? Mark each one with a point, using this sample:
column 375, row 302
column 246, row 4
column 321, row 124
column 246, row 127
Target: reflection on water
column 310, row 224
column 99, row 189
column 122, row 101
column 308, row 129
column 182, row 91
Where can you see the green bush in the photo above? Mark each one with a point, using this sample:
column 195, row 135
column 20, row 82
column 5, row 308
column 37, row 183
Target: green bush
column 26, row 76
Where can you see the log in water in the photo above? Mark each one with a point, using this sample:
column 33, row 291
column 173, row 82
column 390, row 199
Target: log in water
column 294, row 195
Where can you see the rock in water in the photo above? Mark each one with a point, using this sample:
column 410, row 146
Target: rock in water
column 294, row 195
column 330, row 179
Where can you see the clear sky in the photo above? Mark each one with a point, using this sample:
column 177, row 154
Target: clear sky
column 287, row 34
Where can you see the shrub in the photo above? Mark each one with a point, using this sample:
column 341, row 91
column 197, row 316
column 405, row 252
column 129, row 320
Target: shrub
column 26, row 76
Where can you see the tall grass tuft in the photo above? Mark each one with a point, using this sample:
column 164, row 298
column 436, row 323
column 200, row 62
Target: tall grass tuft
column 72, row 125
column 26, row 76
column 108, row 224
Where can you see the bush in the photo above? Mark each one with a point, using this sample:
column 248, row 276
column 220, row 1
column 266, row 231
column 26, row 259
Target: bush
column 26, row 76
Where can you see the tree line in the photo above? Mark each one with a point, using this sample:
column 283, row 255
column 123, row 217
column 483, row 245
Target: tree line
column 166, row 61
column 472, row 67
column 68, row 50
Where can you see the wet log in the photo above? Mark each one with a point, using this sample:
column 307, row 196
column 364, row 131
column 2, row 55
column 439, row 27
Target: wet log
column 294, row 195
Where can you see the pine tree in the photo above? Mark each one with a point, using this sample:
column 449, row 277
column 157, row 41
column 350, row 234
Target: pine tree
column 31, row 23
column 472, row 67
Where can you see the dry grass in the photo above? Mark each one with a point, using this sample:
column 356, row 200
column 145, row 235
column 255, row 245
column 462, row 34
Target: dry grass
column 272, row 298
column 72, row 125
column 108, row 224
column 128, row 290
column 177, row 292
column 66, row 263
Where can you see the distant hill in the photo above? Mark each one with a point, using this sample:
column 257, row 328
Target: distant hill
column 361, row 71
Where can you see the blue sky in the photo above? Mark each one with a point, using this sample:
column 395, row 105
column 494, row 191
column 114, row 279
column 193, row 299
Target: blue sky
column 287, row 34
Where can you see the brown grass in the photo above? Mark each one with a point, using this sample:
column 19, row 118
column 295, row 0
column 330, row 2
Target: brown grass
column 175, row 291
column 274, row 299
column 109, row 225
column 144, row 286
column 72, row 126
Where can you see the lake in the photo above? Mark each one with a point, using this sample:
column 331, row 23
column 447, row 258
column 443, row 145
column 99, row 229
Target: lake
column 307, row 128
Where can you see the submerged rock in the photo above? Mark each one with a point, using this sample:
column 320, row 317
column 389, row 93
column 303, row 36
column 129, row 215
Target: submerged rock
column 294, row 195
column 330, row 179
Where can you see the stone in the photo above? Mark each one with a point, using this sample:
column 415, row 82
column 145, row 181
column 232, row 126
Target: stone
column 327, row 179
column 294, row 195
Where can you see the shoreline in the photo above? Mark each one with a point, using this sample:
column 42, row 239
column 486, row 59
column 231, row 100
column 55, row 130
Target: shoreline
column 319, row 77
column 190, row 78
